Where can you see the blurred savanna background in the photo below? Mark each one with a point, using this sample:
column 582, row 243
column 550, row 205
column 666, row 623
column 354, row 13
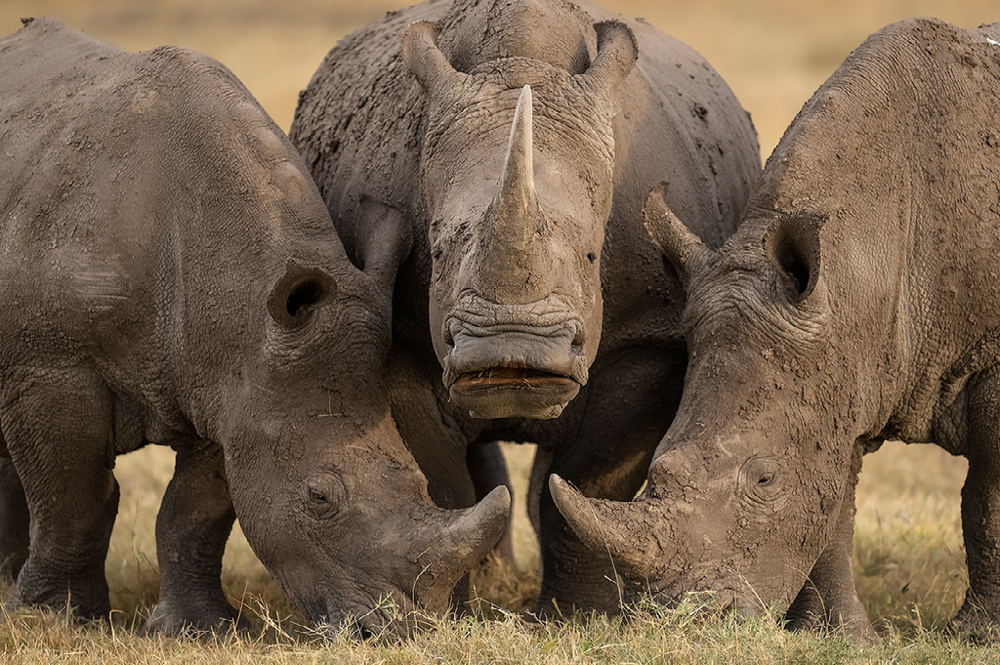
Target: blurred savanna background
column 773, row 53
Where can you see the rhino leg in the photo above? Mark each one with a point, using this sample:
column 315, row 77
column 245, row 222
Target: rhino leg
column 13, row 522
column 538, row 480
column 640, row 388
column 58, row 434
column 437, row 443
column 488, row 470
column 192, row 527
column 979, row 616
column 829, row 600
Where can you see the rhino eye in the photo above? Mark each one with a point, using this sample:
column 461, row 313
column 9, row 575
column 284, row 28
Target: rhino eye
column 323, row 496
column 760, row 483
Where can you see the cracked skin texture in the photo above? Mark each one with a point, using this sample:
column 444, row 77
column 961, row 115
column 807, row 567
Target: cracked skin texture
column 392, row 149
column 176, row 280
column 859, row 301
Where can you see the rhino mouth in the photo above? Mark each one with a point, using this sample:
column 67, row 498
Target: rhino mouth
column 501, row 392
column 511, row 378
column 523, row 361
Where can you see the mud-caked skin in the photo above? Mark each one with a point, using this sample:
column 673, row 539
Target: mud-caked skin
column 171, row 276
column 858, row 302
column 515, row 143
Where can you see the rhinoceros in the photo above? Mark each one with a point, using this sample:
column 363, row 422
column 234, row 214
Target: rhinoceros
column 506, row 149
column 170, row 275
column 859, row 301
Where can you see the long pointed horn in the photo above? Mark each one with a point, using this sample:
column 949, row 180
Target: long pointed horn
column 467, row 538
column 516, row 189
column 620, row 528
column 516, row 264
column 669, row 233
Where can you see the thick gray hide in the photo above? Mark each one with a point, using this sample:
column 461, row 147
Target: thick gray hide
column 510, row 281
column 859, row 301
column 170, row 275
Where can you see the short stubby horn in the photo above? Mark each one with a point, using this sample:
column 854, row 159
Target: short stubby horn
column 466, row 537
column 622, row 529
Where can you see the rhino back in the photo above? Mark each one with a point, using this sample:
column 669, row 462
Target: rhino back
column 678, row 122
column 898, row 155
column 149, row 205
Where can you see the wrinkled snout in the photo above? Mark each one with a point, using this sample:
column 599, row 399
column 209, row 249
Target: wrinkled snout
column 506, row 361
column 387, row 619
column 389, row 575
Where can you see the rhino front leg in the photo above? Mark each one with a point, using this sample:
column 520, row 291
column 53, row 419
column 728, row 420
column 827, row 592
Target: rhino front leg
column 435, row 440
column 623, row 413
column 979, row 616
column 58, row 434
column 13, row 522
column 192, row 527
column 829, row 600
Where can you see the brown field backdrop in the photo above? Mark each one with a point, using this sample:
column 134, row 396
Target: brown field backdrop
column 773, row 53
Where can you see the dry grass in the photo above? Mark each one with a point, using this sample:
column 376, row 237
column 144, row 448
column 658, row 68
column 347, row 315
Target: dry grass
column 909, row 568
column 774, row 54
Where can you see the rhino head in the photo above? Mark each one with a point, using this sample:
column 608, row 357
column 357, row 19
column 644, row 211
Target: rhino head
column 517, row 194
column 744, row 490
column 328, row 495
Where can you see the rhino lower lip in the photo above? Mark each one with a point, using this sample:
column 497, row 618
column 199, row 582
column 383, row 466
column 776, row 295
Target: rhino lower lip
column 510, row 378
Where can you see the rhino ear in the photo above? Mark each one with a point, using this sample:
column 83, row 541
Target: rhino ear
column 298, row 293
column 425, row 60
column 792, row 244
column 617, row 51
column 383, row 241
column 674, row 240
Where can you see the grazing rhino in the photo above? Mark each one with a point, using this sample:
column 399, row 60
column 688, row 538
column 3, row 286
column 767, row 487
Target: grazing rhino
column 181, row 283
column 506, row 149
column 859, row 301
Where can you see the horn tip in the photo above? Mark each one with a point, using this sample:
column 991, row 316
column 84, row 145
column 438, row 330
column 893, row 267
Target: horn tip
column 498, row 500
column 562, row 492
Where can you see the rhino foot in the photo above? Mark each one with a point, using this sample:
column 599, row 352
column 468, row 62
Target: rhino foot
column 841, row 613
column 975, row 623
column 184, row 618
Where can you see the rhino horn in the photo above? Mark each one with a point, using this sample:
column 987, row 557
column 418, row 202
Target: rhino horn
column 513, row 222
column 424, row 59
column 677, row 243
column 617, row 51
column 618, row 528
column 516, row 190
column 466, row 538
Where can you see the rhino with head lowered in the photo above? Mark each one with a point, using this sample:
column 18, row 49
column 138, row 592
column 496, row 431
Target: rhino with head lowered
column 506, row 149
column 173, row 277
column 858, row 302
